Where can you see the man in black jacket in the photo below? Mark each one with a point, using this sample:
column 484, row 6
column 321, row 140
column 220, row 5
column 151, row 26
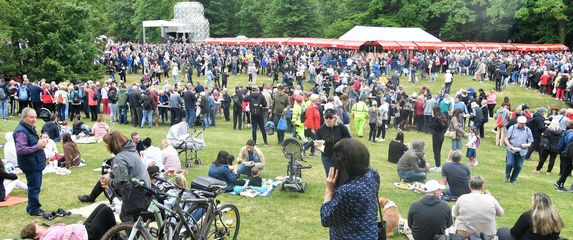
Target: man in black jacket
column 258, row 108
column 134, row 101
column 430, row 216
column 537, row 126
column 190, row 100
column 237, row 109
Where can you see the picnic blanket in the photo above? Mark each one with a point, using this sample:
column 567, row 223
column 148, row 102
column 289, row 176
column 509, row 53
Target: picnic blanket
column 84, row 139
column 249, row 191
column 12, row 200
column 415, row 186
column 85, row 211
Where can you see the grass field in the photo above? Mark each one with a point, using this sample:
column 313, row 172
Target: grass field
column 289, row 215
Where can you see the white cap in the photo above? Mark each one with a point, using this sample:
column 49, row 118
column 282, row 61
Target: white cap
column 521, row 119
column 432, row 186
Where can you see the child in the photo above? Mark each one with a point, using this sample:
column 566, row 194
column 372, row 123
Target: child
column 100, row 128
column 51, row 151
column 473, row 144
column 9, row 181
column 255, row 180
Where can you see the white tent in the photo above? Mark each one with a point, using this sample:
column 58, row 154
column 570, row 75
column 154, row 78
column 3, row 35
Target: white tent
column 166, row 26
column 365, row 33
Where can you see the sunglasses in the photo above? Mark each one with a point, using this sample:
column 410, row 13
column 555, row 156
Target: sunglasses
column 329, row 117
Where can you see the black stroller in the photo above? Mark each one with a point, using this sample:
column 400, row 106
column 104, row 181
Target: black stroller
column 45, row 114
column 292, row 149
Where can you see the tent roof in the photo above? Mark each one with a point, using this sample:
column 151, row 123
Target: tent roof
column 365, row 33
column 162, row 23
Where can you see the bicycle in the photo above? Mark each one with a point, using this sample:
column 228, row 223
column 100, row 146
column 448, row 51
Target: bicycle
column 196, row 215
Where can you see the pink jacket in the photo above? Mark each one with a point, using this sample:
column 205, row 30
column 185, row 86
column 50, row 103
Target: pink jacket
column 62, row 231
column 100, row 129
column 170, row 159
column 491, row 98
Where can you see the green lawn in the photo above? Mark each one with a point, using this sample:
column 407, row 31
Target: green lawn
column 289, row 215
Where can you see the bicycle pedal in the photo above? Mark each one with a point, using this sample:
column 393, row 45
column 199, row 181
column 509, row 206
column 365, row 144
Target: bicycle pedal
column 154, row 232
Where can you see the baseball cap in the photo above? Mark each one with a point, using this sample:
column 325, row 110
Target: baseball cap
column 433, row 185
column 521, row 119
column 329, row 112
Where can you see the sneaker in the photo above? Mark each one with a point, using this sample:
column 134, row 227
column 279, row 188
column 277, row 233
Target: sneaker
column 557, row 185
column 476, row 163
column 85, row 198
column 381, row 140
column 506, row 179
column 548, row 173
column 562, row 189
column 436, row 169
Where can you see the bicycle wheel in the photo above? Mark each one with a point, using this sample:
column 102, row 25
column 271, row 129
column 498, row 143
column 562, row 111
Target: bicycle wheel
column 225, row 224
column 122, row 232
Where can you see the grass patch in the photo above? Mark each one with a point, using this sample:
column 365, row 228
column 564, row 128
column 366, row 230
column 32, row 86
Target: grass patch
column 288, row 215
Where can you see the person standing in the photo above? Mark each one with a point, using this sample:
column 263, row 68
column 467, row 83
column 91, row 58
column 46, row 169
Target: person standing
column 4, row 97
column 35, row 96
column 190, row 100
column 430, row 216
column 93, row 102
column 456, row 126
column 134, row 100
column 238, row 110
column 383, row 110
column 175, row 103
column 280, row 102
column 491, row 101
column 31, row 158
column 257, row 106
column 122, row 101
column 565, row 157
column 147, row 106
column 549, row 147
column 332, row 131
column 312, row 122
column 112, row 99
column 439, row 125
column 518, row 139
column 360, row 113
column 537, row 126
column 373, row 120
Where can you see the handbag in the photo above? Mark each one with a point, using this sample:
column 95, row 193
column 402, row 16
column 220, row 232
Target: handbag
column 282, row 124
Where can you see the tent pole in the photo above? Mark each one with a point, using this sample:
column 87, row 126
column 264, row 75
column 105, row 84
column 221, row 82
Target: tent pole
column 143, row 35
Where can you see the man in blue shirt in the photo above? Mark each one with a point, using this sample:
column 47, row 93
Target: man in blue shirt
column 518, row 139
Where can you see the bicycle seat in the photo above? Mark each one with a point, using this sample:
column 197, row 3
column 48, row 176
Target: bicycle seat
column 208, row 184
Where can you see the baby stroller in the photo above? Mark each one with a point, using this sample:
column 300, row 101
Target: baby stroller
column 45, row 114
column 185, row 139
column 292, row 149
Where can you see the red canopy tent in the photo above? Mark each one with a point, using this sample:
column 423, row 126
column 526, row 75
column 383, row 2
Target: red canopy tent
column 426, row 45
column 527, row 47
column 408, row 45
column 560, row 47
column 470, row 45
column 355, row 45
column 298, row 41
column 508, row 46
column 389, row 45
column 450, row 45
column 488, row 46
column 275, row 41
column 253, row 41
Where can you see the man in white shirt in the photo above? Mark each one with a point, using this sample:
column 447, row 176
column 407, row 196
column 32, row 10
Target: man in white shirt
column 151, row 156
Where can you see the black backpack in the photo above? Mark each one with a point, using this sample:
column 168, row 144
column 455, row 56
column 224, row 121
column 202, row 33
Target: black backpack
column 112, row 96
column 236, row 100
column 2, row 93
column 76, row 97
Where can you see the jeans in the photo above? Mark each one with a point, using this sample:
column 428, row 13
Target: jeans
column 123, row 114
column 412, row 176
column 513, row 164
column 190, row 116
column 175, row 116
column 382, row 130
column 175, row 79
column 34, row 187
column 504, row 233
column 4, row 108
column 257, row 121
column 61, row 111
column 280, row 133
column 113, row 112
column 206, row 120
column 456, row 144
column 147, row 114
column 327, row 162
column 244, row 169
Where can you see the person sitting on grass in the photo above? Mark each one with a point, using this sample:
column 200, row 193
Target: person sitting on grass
column 456, row 176
column 72, row 156
column 397, row 148
column 430, row 216
column 151, row 156
column 100, row 128
column 170, row 157
column 220, row 170
column 51, row 150
column 80, row 127
column 412, row 165
column 95, row 226
column 9, row 182
column 52, row 129
column 250, row 156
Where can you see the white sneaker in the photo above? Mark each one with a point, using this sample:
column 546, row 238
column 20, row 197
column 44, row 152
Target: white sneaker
column 476, row 163
column 436, row 169
column 382, row 140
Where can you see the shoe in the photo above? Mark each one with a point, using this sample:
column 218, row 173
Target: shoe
column 548, row 173
column 382, row 140
column 476, row 163
column 85, row 198
column 38, row 212
column 562, row 189
column 506, row 179
column 514, row 182
column 436, row 169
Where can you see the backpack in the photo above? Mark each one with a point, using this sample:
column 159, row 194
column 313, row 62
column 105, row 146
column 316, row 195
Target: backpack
column 60, row 99
column 95, row 96
column 236, row 100
column 23, row 93
column 112, row 96
column 2, row 93
column 75, row 97
column 256, row 109
column 499, row 122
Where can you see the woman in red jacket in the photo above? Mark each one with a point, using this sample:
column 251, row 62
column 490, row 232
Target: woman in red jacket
column 92, row 102
column 311, row 122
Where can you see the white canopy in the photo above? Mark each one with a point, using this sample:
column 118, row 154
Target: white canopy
column 166, row 26
column 365, row 33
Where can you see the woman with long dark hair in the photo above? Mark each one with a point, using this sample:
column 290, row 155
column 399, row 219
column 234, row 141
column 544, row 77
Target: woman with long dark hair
column 438, row 126
column 220, row 170
column 350, row 205
column 457, row 127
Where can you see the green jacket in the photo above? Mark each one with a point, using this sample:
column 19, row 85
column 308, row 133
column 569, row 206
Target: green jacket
column 360, row 110
column 122, row 97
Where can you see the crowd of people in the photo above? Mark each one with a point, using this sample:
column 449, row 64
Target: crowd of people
column 347, row 87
